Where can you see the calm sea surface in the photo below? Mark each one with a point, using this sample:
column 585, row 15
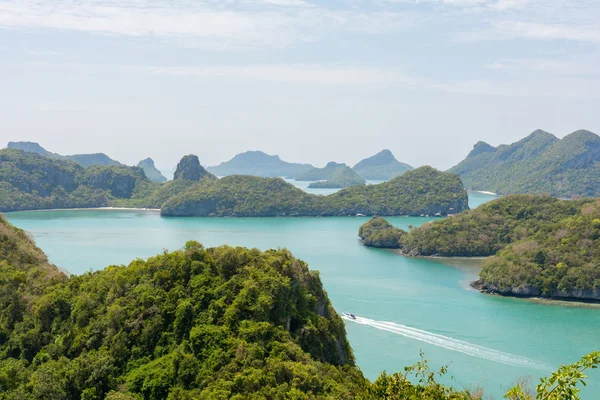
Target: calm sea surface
column 404, row 304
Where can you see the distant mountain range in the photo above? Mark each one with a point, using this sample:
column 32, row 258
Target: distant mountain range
column 258, row 163
column 382, row 166
column 82, row 159
column 539, row 163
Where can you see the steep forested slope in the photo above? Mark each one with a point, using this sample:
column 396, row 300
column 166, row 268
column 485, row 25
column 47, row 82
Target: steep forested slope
column 422, row 191
column 540, row 246
column 198, row 323
column 31, row 181
column 539, row 163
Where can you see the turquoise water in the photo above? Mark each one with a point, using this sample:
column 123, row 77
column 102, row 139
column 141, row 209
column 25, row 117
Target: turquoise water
column 420, row 303
column 304, row 186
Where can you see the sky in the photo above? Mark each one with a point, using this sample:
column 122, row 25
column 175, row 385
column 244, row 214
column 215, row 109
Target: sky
column 310, row 81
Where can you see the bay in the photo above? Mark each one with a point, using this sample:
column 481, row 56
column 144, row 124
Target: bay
column 405, row 304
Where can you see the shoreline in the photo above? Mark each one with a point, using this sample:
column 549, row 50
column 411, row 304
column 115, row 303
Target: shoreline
column 469, row 265
column 576, row 302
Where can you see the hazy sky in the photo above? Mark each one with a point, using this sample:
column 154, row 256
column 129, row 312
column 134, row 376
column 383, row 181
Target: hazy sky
column 310, row 81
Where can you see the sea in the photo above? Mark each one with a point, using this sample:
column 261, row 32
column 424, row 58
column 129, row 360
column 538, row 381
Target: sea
column 404, row 306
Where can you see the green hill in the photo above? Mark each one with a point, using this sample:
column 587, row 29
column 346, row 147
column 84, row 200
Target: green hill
column 378, row 232
column 150, row 170
column 197, row 323
column 343, row 177
column 539, row 163
column 29, row 181
column 382, row 166
column 82, row 159
column 422, row 191
column 257, row 163
column 539, row 245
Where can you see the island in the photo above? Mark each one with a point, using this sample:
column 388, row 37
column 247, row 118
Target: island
column 343, row 177
column 382, row 167
column 378, row 232
column 258, row 163
column 536, row 245
column 196, row 323
column 539, row 163
column 29, row 181
column 424, row 190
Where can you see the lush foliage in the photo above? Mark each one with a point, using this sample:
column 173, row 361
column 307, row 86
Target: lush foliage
column 378, row 232
column 539, row 245
column 424, row 190
column 257, row 163
column 382, row 166
column 422, row 386
column 488, row 228
column 198, row 323
column 562, row 259
column 539, row 163
column 342, row 177
column 218, row 323
column 31, row 181
column 562, row 384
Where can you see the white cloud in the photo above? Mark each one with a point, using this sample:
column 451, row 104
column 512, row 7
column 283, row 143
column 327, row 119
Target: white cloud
column 535, row 30
column 43, row 53
column 297, row 74
column 551, row 66
column 236, row 23
column 390, row 79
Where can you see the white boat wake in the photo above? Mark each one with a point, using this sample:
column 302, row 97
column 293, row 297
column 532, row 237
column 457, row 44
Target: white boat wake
column 450, row 343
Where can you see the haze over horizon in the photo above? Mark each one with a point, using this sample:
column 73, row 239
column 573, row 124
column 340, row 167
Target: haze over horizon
column 312, row 82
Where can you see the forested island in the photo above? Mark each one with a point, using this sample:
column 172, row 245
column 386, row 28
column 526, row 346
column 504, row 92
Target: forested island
column 424, row 190
column 537, row 245
column 30, row 181
column 199, row 323
column 539, row 163
column 342, row 177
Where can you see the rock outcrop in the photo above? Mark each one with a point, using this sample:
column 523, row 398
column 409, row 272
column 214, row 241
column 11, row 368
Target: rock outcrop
column 151, row 171
column 189, row 168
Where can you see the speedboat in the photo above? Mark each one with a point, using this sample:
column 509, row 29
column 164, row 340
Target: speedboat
column 345, row 314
